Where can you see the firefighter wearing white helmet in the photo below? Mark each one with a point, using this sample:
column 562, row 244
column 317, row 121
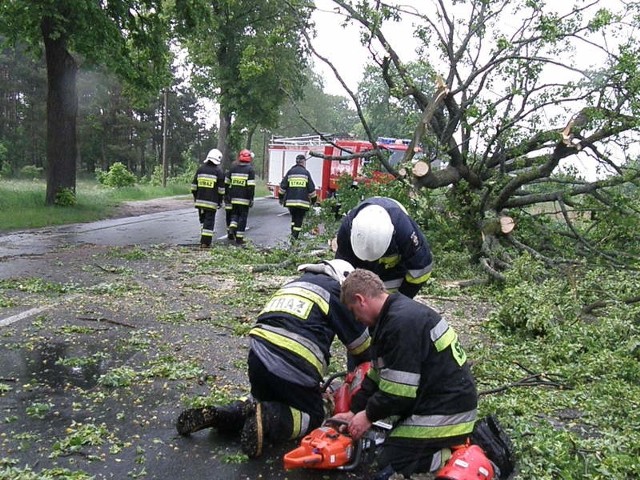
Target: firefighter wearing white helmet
column 290, row 349
column 208, row 190
column 379, row 235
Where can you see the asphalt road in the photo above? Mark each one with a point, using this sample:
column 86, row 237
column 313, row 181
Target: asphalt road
column 31, row 347
column 268, row 225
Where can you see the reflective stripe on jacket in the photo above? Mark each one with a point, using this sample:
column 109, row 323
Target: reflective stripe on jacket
column 240, row 183
column 208, row 187
column 420, row 375
column 298, row 325
column 297, row 188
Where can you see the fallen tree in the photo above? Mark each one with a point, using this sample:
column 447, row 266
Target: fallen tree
column 512, row 110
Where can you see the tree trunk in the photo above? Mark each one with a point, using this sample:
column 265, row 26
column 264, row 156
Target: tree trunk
column 223, row 136
column 62, row 109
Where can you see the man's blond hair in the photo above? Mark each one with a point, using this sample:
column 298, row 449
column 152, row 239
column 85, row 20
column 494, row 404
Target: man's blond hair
column 363, row 282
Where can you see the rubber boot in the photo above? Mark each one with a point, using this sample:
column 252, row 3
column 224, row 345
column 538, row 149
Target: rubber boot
column 273, row 421
column 226, row 419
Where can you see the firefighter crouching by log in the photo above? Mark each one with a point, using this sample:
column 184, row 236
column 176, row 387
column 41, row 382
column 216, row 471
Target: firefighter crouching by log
column 420, row 375
column 379, row 235
column 288, row 358
column 208, row 190
column 240, row 189
column 297, row 193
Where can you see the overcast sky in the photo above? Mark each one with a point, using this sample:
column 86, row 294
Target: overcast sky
column 342, row 45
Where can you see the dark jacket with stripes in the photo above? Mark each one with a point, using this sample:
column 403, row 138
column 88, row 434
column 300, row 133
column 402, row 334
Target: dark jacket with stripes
column 420, row 374
column 241, row 184
column 406, row 264
column 207, row 186
column 297, row 188
column 295, row 330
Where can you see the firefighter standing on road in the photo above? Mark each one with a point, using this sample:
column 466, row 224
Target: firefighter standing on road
column 240, row 188
column 420, row 375
column 208, row 190
column 288, row 358
column 297, row 193
column 379, row 235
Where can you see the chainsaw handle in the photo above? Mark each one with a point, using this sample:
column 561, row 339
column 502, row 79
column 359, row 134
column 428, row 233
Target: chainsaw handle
column 357, row 457
column 331, row 378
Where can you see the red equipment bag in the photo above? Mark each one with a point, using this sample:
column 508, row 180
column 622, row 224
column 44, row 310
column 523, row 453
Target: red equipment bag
column 467, row 462
column 352, row 384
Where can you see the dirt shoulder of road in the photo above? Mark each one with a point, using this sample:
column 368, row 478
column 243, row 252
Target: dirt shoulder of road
column 155, row 205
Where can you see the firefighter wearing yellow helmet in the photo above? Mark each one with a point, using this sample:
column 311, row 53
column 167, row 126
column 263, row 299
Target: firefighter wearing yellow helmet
column 380, row 236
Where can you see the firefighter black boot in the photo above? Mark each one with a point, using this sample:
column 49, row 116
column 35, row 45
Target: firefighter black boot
column 254, row 432
column 226, row 419
column 273, row 421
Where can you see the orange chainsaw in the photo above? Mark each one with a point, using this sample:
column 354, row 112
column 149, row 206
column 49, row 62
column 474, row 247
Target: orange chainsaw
column 327, row 447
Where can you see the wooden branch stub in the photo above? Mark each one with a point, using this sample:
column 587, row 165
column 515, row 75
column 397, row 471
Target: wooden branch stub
column 421, row 168
column 507, row 224
column 494, row 226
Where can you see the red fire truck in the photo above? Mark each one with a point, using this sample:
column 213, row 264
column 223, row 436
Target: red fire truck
column 325, row 173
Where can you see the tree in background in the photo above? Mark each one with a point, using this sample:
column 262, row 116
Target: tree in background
column 127, row 36
column 523, row 90
column 247, row 56
column 22, row 109
column 315, row 112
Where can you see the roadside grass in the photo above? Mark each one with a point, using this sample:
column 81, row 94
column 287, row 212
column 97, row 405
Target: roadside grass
column 22, row 202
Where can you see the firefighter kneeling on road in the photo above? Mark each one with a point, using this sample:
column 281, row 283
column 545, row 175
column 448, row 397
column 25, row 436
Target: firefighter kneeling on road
column 420, row 376
column 288, row 358
column 208, row 191
column 297, row 193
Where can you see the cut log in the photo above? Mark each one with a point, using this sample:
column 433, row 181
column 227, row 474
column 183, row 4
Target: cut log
column 421, row 168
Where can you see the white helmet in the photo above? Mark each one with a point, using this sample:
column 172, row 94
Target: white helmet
column 336, row 269
column 214, row 156
column 371, row 233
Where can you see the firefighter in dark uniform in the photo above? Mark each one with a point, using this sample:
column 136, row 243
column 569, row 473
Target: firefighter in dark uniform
column 241, row 185
column 208, row 190
column 420, row 376
column 379, row 235
column 288, row 358
column 297, row 193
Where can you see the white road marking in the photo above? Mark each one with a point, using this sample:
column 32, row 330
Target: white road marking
column 21, row 316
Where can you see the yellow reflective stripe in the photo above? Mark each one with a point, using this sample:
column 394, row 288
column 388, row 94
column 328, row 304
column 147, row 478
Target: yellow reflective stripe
column 295, row 305
column 397, row 389
column 445, row 340
column 420, row 279
column 289, row 344
column 390, row 261
column 424, row 432
column 205, row 182
column 298, row 182
column 308, row 294
column 357, row 349
column 296, row 416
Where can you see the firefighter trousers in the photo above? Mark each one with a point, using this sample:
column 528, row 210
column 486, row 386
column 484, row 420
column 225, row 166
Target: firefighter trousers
column 208, row 220
column 238, row 223
column 297, row 217
column 290, row 410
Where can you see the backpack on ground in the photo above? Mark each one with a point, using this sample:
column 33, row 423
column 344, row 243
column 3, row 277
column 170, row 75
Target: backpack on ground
column 489, row 435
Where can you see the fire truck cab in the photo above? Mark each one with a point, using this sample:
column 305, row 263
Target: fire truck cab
column 325, row 172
